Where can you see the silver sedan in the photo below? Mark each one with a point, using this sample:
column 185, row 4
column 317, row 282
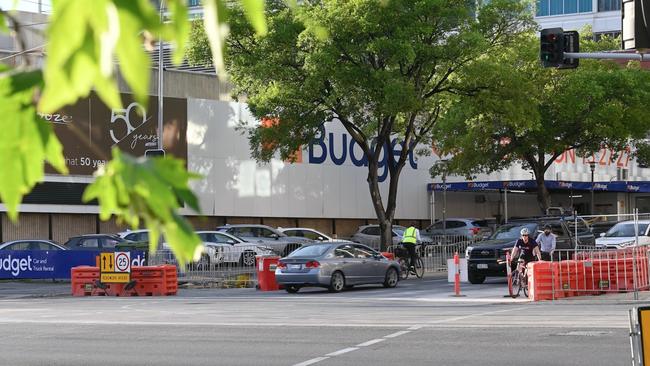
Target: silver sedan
column 335, row 266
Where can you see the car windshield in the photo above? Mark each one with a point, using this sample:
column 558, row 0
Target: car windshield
column 310, row 251
column 625, row 230
column 512, row 231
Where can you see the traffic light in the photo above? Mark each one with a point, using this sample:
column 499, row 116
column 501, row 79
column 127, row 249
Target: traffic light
column 552, row 47
column 152, row 153
column 635, row 16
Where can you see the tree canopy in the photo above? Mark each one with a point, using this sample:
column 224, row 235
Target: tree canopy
column 533, row 115
column 381, row 69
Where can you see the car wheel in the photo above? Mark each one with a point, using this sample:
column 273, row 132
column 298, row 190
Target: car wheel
column 337, row 282
column 475, row 278
column 391, row 278
column 292, row 289
column 247, row 258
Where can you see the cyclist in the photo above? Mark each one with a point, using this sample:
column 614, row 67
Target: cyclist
column 528, row 247
column 410, row 238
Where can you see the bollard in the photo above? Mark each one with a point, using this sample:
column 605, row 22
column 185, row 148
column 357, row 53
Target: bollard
column 457, row 277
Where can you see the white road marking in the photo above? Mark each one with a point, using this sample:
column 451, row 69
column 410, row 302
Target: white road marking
column 342, row 351
column 397, row 334
column 312, row 361
column 371, row 342
column 514, row 310
column 416, row 327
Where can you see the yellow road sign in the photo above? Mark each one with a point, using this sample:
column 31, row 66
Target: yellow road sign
column 107, row 262
column 115, row 277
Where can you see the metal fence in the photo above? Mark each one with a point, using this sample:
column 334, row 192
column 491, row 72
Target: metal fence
column 219, row 266
column 435, row 254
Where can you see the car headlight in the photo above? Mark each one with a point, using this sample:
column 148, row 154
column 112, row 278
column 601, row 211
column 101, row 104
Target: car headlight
column 467, row 252
column 628, row 243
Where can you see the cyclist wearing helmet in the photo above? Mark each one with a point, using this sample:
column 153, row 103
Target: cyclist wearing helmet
column 528, row 247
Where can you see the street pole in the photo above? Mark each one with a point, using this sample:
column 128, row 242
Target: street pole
column 592, row 166
column 505, row 204
column 161, row 67
column 444, row 201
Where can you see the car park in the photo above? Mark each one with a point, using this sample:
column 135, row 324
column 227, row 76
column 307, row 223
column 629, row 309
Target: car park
column 487, row 258
column 232, row 248
column 335, row 266
column 267, row 236
column 371, row 235
column 624, row 234
column 460, row 227
column 302, row 232
column 94, row 242
column 32, row 244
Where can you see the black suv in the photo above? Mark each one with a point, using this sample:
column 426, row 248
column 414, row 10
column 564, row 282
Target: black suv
column 483, row 257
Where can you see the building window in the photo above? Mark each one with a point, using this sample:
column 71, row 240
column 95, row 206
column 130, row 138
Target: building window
column 560, row 7
column 192, row 3
column 612, row 34
column 609, row 5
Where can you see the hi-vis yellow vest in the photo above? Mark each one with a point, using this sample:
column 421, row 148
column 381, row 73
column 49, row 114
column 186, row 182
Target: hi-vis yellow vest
column 409, row 236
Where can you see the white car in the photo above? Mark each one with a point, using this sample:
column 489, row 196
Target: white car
column 135, row 235
column 303, row 232
column 229, row 248
column 623, row 235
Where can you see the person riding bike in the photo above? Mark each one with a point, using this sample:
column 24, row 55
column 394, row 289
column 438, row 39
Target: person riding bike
column 528, row 247
column 410, row 238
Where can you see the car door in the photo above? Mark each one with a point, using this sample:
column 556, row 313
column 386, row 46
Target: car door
column 370, row 268
column 230, row 251
column 346, row 262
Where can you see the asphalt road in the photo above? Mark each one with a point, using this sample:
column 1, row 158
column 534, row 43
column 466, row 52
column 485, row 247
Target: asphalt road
column 416, row 324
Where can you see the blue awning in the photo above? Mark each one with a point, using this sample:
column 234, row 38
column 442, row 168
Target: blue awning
column 633, row 187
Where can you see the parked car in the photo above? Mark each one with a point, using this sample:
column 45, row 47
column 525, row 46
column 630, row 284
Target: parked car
column 94, row 242
column 335, row 266
column 371, row 235
column 135, row 235
column 463, row 228
column 483, row 258
column 266, row 236
column 600, row 227
column 305, row 233
column 232, row 248
column 31, row 244
column 623, row 235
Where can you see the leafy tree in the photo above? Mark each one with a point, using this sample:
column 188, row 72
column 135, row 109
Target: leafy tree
column 532, row 115
column 84, row 37
column 383, row 69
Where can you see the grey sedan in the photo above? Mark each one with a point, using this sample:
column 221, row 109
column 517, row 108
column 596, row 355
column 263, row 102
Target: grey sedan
column 335, row 266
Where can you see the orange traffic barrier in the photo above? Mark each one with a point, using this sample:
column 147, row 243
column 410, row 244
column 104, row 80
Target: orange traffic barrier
column 389, row 255
column 145, row 281
column 543, row 281
column 457, row 275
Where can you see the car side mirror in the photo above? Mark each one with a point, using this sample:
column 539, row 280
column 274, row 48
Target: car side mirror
column 274, row 236
column 602, row 235
column 321, row 238
column 378, row 256
column 231, row 242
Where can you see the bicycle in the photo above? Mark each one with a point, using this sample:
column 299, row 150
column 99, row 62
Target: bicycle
column 403, row 259
column 517, row 280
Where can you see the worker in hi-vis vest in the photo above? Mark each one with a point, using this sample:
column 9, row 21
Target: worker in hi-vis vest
column 410, row 238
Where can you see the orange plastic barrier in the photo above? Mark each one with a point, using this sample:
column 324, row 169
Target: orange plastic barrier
column 388, row 255
column 543, row 281
column 145, row 281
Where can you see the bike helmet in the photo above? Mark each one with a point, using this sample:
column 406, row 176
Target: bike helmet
column 524, row 231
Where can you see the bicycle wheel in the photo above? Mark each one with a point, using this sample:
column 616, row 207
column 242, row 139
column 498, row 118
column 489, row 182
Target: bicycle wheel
column 403, row 268
column 524, row 284
column 419, row 268
column 516, row 284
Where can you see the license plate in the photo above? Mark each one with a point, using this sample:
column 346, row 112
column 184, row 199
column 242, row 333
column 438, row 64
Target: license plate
column 482, row 266
column 295, row 266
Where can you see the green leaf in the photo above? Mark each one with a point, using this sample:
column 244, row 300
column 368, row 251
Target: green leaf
column 254, row 10
column 136, row 190
column 26, row 141
column 215, row 19
column 3, row 23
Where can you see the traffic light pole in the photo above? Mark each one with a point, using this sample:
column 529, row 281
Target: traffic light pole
column 608, row 55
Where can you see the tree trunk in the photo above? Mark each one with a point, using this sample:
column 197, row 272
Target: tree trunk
column 386, row 229
column 543, row 196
